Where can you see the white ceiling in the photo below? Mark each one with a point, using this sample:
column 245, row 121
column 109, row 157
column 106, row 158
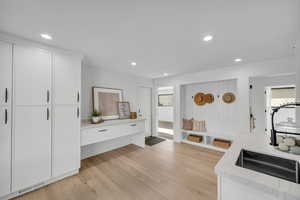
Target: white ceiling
column 162, row 36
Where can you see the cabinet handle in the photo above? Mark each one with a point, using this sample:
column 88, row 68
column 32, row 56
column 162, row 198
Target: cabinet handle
column 48, row 96
column 132, row 124
column 6, row 95
column 48, row 113
column 6, row 117
column 78, row 113
column 78, row 97
column 102, row 130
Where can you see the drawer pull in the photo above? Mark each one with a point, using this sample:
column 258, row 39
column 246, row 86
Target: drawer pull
column 132, row 124
column 6, row 118
column 102, row 130
column 6, row 95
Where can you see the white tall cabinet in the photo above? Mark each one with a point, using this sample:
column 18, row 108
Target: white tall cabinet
column 32, row 120
column 66, row 112
column 5, row 117
column 39, row 116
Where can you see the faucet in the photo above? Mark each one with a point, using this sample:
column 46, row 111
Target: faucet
column 274, row 131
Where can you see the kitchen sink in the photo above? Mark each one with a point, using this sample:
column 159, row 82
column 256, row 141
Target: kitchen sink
column 270, row 165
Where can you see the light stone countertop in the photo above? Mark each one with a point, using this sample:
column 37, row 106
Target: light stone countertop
column 257, row 143
column 86, row 124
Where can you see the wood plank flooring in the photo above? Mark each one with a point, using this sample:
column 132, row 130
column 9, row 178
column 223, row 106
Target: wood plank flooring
column 164, row 171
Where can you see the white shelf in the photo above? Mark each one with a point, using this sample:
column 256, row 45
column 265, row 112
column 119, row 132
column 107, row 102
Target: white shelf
column 210, row 134
column 209, row 146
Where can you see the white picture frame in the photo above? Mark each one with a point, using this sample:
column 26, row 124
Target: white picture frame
column 105, row 101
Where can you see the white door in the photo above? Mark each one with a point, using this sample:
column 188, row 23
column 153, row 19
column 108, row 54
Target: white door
column 5, row 150
column 66, row 139
column 32, row 146
column 67, row 79
column 32, row 68
column 5, row 73
column 145, row 107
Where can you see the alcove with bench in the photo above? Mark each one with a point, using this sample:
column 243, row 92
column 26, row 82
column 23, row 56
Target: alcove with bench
column 218, row 115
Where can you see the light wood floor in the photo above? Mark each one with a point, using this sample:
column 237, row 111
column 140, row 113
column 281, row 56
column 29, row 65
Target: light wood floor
column 164, row 171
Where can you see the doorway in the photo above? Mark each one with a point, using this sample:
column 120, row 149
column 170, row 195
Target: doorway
column 165, row 112
column 267, row 92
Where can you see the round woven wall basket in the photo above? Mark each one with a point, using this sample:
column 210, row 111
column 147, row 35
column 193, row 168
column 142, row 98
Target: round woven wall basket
column 199, row 99
column 228, row 97
column 209, row 98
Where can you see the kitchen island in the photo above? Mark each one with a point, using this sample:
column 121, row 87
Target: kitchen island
column 235, row 183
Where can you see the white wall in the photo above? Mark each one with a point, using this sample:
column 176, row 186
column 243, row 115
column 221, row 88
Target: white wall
column 97, row 76
column 241, row 73
column 219, row 116
column 297, row 53
column 257, row 96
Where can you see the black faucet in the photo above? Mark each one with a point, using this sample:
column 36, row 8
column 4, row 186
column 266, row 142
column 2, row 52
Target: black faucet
column 273, row 131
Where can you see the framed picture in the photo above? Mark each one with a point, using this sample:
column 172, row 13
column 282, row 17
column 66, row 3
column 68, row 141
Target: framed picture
column 124, row 109
column 105, row 101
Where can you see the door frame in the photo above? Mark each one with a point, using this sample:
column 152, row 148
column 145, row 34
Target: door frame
column 151, row 107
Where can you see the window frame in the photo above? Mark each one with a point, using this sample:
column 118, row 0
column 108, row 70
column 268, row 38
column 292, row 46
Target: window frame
column 158, row 100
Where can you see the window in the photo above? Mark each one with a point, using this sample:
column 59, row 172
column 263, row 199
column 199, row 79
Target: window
column 282, row 96
column 165, row 100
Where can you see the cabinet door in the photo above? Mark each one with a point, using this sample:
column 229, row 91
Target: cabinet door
column 67, row 79
column 32, row 146
column 32, row 76
column 5, row 150
column 5, row 73
column 66, row 139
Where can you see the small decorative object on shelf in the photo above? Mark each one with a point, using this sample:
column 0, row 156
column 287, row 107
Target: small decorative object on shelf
column 96, row 117
column 195, row 138
column 209, row 98
column 199, row 99
column 228, row 97
column 222, row 143
column 199, row 126
column 133, row 115
column 187, row 124
column 124, row 109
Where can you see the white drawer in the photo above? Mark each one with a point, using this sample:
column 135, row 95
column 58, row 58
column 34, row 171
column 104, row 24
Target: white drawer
column 132, row 128
column 94, row 135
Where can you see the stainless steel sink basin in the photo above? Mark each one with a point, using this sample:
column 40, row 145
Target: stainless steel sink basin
column 270, row 165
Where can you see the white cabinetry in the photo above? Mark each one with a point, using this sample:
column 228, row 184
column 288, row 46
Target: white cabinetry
column 32, row 119
column 66, row 104
column 66, row 139
column 32, row 68
column 5, row 117
column 109, row 135
column 5, row 150
column 32, row 146
column 39, row 116
column 67, row 76
column 5, row 73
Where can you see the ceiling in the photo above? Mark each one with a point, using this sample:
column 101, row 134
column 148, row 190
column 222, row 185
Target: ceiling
column 161, row 36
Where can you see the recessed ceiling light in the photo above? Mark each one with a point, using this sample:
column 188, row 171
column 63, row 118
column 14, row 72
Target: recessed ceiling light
column 207, row 38
column 238, row 60
column 166, row 74
column 133, row 63
column 46, row 36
